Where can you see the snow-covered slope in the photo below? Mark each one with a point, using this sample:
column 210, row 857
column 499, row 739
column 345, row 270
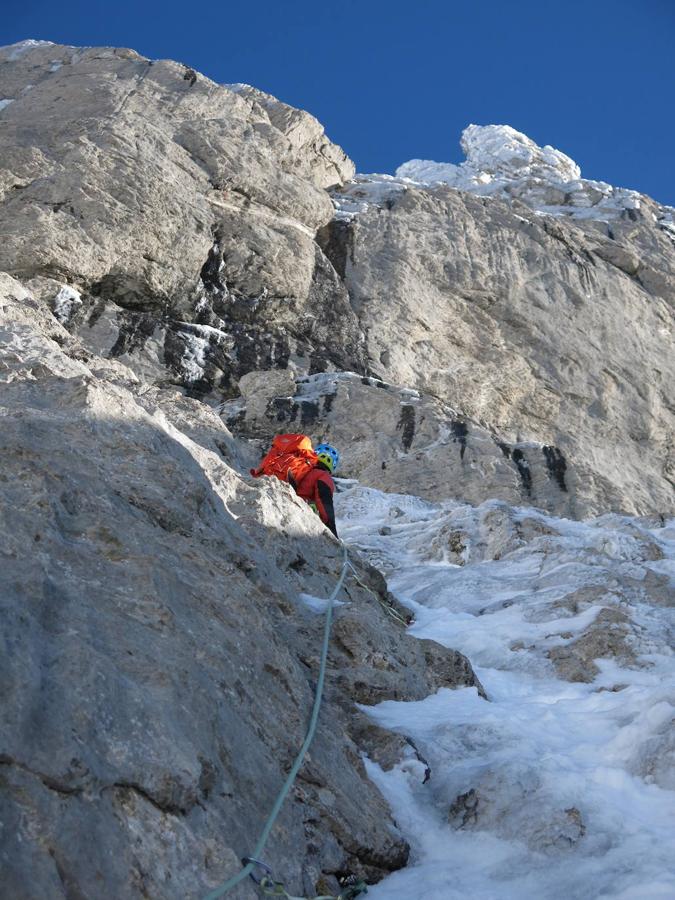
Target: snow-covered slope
column 560, row 786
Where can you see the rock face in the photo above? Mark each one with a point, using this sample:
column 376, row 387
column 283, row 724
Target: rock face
column 159, row 660
column 528, row 325
column 176, row 285
column 181, row 211
column 402, row 440
column 173, row 226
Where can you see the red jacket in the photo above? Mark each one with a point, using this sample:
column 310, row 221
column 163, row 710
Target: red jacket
column 317, row 487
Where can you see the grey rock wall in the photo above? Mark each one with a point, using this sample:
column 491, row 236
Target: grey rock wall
column 158, row 661
column 175, row 282
column 183, row 228
column 403, row 441
column 541, row 329
column 183, row 213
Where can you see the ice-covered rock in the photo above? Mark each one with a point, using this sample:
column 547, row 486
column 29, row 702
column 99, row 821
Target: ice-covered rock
column 501, row 161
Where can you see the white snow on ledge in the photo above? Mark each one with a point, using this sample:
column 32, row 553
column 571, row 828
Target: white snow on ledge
column 22, row 47
column 4, row 103
column 65, row 303
column 500, row 162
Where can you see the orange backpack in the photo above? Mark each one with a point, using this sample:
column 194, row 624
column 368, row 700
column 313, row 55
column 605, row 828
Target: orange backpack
column 290, row 459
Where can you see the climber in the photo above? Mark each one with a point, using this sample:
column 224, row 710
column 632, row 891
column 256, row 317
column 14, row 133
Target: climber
column 292, row 459
column 317, row 486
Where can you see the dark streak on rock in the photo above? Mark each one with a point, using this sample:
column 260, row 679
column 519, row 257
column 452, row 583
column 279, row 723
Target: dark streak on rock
column 336, row 240
column 211, row 272
column 190, row 75
column 164, row 806
column 282, row 409
column 523, row 467
column 556, row 465
column 406, row 424
column 309, row 412
column 53, row 784
column 460, row 431
column 135, row 329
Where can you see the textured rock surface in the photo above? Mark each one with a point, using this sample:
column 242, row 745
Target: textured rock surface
column 515, row 321
column 159, row 660
column 401, row 440
column 158, row 664
column 182, row 211
column 172, row 226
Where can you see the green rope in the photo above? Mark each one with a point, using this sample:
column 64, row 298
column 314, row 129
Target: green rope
column 259, row 847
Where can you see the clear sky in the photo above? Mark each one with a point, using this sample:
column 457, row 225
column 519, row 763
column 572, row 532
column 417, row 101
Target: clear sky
column 393, row 81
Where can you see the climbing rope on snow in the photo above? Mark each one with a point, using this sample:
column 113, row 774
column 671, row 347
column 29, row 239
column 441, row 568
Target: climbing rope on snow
column 251, row 861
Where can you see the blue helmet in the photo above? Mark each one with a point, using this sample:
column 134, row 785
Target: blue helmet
column 328, row 455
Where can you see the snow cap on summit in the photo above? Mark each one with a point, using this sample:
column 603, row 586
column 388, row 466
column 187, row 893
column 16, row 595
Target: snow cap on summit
column 501, row 161
column 20, row 47
column 500, row 148
column 495, row 150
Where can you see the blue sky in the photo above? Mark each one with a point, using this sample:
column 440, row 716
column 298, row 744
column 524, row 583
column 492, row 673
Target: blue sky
column 392, row 81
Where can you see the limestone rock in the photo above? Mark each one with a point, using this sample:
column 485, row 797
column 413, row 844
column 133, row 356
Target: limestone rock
column 180, row 287
column 159, row 662
column 182, row 212
column 311, row 154
column 521, row 324
column 606, row 638
column 404, row 440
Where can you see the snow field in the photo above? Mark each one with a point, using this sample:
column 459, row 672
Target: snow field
column 554, row 788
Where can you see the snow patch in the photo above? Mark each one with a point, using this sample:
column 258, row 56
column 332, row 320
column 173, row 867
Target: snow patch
column 494, row 154
column 22, row 47
column 366, row 191
column 65, row 303
column 5, row 103
column 193, row 360
column 206, row 331
column 502, row 162
column 667, row 223
column 318, row 604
